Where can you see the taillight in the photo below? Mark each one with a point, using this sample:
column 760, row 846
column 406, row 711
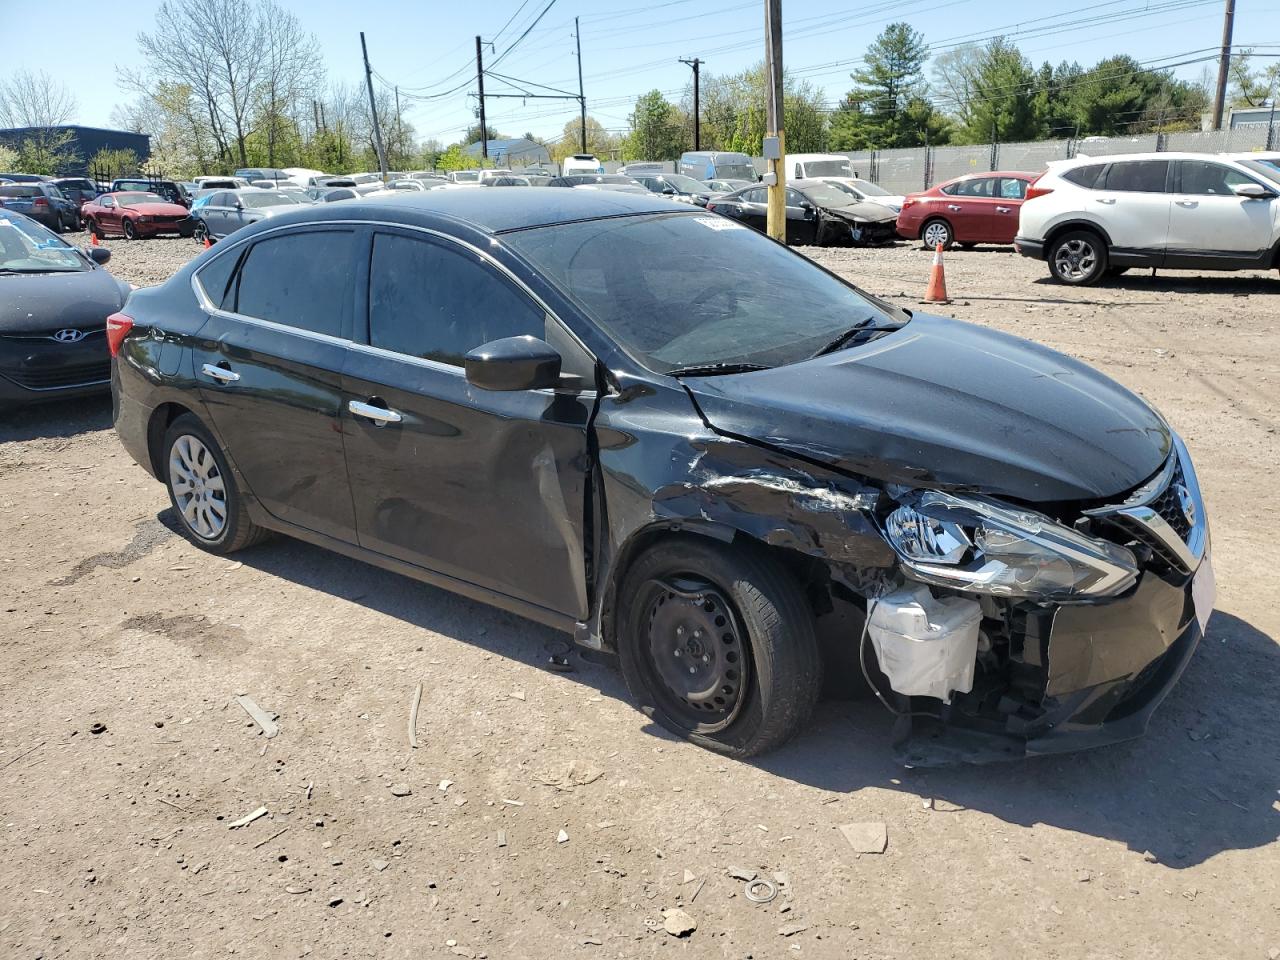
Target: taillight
column 1033, row 191
column 908, row 202
column 710, row 205
column 40, row 202
column 118, row 327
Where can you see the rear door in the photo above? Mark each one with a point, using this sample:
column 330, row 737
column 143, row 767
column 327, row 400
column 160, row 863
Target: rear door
column 1207, row 220
column 970, row 206
column 755, row 208
column 802, row 218
column 1132, row 203
column 269, row 364
column 483, row 486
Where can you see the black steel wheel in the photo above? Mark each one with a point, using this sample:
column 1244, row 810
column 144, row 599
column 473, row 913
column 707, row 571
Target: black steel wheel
column 717, row 644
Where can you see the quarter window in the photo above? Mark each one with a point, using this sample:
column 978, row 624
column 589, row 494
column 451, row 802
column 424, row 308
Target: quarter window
column 1086, row 176
column 438, row 302
column 301, row 280
column 1212, row 179
column 1012, row 189
column 215, row 277
column 1138, row 176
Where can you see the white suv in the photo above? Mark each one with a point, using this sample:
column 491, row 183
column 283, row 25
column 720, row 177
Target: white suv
column 1097, row 216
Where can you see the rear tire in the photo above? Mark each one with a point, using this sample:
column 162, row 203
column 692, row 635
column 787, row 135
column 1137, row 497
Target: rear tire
column 717, row 644
column 202, row 489
column 1078, row 258
column 936, row 232
column 94, row 230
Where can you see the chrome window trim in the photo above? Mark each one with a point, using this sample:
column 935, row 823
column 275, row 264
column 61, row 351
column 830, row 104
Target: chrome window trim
column 208, row 306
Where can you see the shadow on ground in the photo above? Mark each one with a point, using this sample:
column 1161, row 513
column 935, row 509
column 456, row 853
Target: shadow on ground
column 61, row 419
column 1202, row 781
column 1220, row 284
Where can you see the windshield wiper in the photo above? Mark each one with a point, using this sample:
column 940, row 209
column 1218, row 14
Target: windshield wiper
column 853, row 333
column 714, row 369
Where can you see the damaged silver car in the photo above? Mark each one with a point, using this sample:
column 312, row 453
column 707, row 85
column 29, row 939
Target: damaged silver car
column 690, row 447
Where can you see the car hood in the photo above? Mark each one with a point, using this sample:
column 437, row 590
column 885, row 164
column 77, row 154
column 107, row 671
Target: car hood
column 861, row 210
column 44, row 303
column 941, row 403
column 157, row 209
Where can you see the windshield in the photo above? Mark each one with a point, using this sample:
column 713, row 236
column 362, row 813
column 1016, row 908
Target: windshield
column 845, row 188
column 685, row 184
column 736, row 171
column 27, row 247
column 828, row 195
column 133, row 199
column 1267, row 168
column 826, row 168
column 871, row 189
column 679, row 290
column 267, row 198
column 466, row 176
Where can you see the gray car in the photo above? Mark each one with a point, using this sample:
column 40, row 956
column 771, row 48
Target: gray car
column 228, row 210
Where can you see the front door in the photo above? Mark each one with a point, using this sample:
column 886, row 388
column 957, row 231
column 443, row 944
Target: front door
column 269, row 364
column 483, row 486
column 1208, row 221
column 802, row 219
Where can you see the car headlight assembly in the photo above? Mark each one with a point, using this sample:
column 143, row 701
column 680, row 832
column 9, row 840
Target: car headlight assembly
column 978, row 545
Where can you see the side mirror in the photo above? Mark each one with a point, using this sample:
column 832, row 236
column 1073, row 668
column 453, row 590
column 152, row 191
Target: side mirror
column 513, row 363
column 98, row 255
column 1252, row 191
column 239, row 204
column 668, row 191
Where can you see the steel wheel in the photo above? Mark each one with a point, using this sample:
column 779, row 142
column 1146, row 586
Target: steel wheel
column 198, row 487
column 1075, row 260
column 936, row 232
column 697, row 662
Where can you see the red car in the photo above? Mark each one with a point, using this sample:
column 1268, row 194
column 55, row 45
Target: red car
column 134, row 214
column 978, row 208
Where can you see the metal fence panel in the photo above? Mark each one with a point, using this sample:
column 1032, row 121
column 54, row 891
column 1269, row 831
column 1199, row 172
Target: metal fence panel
column 951, row 162
column 1110, row 146
column 901, row 171
column 1236, row 140
column 1032, row 156
column 860, row 162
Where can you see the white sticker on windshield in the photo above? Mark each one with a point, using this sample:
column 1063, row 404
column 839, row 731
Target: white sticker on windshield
column 719, row 223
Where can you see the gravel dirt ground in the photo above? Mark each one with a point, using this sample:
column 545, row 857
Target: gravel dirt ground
column 540, row 815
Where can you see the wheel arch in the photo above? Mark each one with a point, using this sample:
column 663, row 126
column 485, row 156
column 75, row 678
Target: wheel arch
column 938, row 218
column 1058, row 229
column 161, row 417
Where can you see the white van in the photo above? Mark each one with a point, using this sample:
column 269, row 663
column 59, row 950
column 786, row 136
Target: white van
column 800, row 166
column 581, row 163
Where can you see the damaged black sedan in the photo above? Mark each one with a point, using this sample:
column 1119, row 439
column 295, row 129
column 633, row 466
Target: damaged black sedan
column 818, row 213
column 688, row 446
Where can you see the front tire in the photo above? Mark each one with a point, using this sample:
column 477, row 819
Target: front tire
column 94, row 230
column 130, row 231
column 717, row 644
column 203, row 490
column 937, row 232
column 200, row 232
column 1078, row 258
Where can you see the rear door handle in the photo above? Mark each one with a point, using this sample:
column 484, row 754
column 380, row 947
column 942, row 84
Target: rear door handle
column 221, row 374
column 1187, row 203
column 1004, row 209
column 371, row 412
column 952, row 206
column 1104, row 200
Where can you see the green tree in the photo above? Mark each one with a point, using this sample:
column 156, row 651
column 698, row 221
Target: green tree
column 887, row 106
column 109, row 163
column 657, row 130
column 473, row 134
column 733, row 113
column 1004, row 104
column 455, row 158
column 49, row 152
column 1250, row 87
column 8, row 158
column 600, row 143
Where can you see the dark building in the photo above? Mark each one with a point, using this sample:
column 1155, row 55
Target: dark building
column 87, row 142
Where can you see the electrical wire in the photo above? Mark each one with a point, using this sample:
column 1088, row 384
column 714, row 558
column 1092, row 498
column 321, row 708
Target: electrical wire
column 866, row 675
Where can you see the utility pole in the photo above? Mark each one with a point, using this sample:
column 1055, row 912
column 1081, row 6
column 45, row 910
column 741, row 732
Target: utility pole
column 697, row 112
column 1224, row 64
column 484, row 130
column 399, row 131
column 582, row 97
column 373, row 109
column 777, row 211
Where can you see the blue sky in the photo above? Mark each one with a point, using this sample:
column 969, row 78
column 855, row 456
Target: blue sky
column 631, row 47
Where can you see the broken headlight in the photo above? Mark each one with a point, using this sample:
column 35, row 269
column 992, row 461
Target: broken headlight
column 981, row 546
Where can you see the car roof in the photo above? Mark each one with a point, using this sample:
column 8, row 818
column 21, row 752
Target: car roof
column 492, row 211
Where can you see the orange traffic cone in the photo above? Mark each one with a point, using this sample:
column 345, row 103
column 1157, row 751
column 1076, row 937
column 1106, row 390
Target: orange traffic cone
column 93, row 239
column 936, row 292
column 207, row 242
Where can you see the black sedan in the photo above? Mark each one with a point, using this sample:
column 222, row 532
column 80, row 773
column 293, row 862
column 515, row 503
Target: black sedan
column 676, row 186
column 817, row 213
column 680, row 442
column 54, row 303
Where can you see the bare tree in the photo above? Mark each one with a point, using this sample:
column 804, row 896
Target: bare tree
column 291, row 66
column 35, row 100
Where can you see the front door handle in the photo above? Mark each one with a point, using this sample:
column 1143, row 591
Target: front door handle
column 1004, row 209
column 1104, row 199
column 221, row 374
column 952, row 206
column 1188, row 203
column 371, row 412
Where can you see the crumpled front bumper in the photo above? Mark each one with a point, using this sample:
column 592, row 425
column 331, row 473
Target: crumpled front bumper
column 1108, row 667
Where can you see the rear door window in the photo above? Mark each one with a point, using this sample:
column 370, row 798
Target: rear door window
column 1138, row 176
column 296, row 280
column 438, row 302
column 977, row 187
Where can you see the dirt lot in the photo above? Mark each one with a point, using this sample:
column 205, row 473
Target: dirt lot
column 119, row 843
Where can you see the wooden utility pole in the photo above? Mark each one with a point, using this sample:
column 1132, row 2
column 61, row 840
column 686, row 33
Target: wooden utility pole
column 373, row 110
column 582, row 97
column 697, row 112
column 1224, row 64
column 777, row 213
column 484, row 130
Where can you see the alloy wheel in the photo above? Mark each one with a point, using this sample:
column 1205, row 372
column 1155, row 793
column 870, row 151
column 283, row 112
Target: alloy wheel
column 697, row 660
column 937, row 233
column 1075, row 259
column 198, row 487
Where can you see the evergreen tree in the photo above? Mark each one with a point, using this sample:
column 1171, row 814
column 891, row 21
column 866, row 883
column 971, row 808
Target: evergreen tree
column 887, row 106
